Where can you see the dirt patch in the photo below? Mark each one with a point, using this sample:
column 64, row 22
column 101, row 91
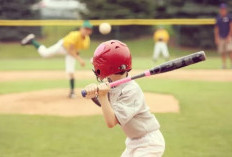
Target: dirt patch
column 54, row 102
column 41, row 75
column 204, row 75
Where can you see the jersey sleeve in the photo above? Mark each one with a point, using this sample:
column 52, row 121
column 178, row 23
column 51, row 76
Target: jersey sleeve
column 166, row 36
column 155, row 36
column 128, row 105
column 69, row 40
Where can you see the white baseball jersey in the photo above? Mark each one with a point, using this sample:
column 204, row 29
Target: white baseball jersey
column 134, row 116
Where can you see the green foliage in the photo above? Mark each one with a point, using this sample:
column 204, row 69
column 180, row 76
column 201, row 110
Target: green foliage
column 196, row 36
column 10, row 9
column 193, row 36
column 122, row 9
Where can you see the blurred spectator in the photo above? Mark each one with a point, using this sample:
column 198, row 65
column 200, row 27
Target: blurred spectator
column 161, row 38
column 222, row 33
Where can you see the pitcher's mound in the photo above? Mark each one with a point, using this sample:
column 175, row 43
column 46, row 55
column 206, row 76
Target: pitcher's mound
column 54, row 102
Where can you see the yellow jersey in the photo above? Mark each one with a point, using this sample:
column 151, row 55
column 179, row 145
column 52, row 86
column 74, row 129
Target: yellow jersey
column 75, row 39
column 161, row 35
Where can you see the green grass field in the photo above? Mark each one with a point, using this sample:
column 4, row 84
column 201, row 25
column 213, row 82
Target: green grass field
column 201, row 129
column 58, row 64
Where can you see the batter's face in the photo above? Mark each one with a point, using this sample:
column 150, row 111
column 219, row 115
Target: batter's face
column 116, row 77
column 223, row 12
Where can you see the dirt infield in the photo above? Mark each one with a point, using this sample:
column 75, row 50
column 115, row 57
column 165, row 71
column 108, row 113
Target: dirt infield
column 204, row 75
column 54, row 102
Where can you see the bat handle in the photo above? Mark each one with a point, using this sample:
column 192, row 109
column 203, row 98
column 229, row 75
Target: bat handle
column 83, row 93
column 112, row 84
column 118, row 82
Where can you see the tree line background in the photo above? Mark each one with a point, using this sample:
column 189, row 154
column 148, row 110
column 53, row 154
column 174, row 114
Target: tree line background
column 192, row 36
column 16, row 10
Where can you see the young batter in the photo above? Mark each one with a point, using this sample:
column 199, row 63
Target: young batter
column 125, row 104
column 69, row 46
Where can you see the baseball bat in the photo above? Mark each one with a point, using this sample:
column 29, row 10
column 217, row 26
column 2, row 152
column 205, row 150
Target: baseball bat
column 165, row 67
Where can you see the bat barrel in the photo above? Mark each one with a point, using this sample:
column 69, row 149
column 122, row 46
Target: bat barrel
column 195, row 57
column 179, row 63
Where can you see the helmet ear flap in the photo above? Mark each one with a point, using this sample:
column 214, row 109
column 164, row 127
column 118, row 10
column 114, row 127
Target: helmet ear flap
column 122, row 67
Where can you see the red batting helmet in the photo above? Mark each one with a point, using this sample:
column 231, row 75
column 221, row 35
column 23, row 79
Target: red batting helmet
column 111, row 57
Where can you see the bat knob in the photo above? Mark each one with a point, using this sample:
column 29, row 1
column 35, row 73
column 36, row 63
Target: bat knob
column 83, row 93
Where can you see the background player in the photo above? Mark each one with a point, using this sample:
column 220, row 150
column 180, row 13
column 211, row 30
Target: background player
column 223, row 33
column 69, row 46
column 125, row 104
column 161, row 38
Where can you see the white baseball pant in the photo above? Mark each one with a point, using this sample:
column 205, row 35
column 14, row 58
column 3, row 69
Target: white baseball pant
column 58, row 49
column 160, row 47
column 151, row 145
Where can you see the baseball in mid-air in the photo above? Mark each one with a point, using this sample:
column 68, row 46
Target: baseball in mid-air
column 104, row 28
